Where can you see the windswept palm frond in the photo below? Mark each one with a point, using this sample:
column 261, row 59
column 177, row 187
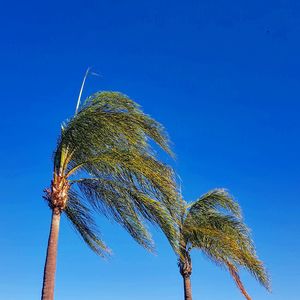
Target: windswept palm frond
column 110, row 120
column 111, row 201
column 225, row 225
column 215, row 199
column 80, row 217
column 214, row 225
column 105, row 153
column 222, row 246
column 229, row 235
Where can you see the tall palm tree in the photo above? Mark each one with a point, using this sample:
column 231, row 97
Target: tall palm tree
column 213, row 224
column 104, row 162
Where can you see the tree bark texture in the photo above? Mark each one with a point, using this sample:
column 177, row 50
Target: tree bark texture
column 187, row 287
column 185, row 267
column 50, row 265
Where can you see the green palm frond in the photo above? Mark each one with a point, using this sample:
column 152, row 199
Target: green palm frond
column 144, row 171
column 80, row 217
column 226, row 225
column 213, row 224
column 105, row 152
column 221, row 246
column 106, row 121
column 113, row 202
column 215, row 199
column 158, row 215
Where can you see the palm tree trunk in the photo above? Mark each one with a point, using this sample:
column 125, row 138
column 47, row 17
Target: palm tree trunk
column 50, row 265
column 187, row 287
column 185, row 268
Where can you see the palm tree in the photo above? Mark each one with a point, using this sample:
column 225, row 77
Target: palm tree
column 213, row 224
column 104, row 162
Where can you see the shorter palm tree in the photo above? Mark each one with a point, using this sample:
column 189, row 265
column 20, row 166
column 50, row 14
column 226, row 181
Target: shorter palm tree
column 213, row 224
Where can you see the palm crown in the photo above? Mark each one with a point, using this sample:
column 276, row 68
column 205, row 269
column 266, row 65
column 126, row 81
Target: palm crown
column 213, row 224
column 104, row 162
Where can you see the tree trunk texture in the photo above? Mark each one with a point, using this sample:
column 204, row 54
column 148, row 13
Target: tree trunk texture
column 185, row 267
column 50, row 265
column 187, row 287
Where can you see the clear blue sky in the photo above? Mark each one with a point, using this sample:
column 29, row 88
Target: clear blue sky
column 222, row 76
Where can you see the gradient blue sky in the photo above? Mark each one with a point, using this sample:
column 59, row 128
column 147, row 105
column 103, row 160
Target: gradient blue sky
column 222, row 76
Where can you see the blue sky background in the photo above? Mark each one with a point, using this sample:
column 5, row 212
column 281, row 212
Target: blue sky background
column 222, row 76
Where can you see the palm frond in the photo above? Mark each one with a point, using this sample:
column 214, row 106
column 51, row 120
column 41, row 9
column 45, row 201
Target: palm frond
column 158, row 215
column 110, row 120
column 224, row 238
column 106, row 149
column 80, row 217
column 215, row 199
column 112, row 202
column 228, row 225
column 145, row 171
